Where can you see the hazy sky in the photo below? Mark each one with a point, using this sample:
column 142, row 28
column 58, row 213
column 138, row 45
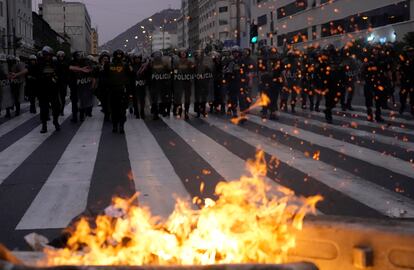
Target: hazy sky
column 114, row 16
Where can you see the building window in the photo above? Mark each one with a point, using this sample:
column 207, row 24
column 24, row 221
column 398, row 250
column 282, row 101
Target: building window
column 223, row 22
column 262, row 20
column 390, row 14
column 293, row 37
column 223, row 9
column 292, row 8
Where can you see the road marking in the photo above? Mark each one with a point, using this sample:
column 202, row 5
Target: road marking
column 223, row 161
column 373, row 157
column 13, row 156
column 153, row 174
column 65, row 193
column 13, row 123
column 374, row 196
column 355, row 132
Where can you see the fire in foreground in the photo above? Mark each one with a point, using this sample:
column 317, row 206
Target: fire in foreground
column 246, row 224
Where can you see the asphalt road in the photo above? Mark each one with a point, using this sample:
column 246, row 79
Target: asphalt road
column 47, row 181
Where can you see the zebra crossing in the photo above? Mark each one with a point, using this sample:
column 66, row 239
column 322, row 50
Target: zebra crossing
column 47, row 181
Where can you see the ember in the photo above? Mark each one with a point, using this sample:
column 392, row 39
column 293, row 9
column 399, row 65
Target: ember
column 245, row 224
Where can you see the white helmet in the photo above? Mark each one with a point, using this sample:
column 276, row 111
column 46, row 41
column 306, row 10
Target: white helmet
column 60, row 54
column 47, row 50
column 3, row 57
column 32, row 57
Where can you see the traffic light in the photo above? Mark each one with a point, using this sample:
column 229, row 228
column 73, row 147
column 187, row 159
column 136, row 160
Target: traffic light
column 254, row 34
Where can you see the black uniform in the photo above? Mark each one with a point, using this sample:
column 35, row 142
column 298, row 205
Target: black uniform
column 160, row 87
column 183, row 81
column 141, row 78
column 118, row 80
column 103, row 90
column 62, row 71
column 238, row 83
column 32, row 85
column 48, row 94
column 292, row 76
column 406, row 71
column 376, row 81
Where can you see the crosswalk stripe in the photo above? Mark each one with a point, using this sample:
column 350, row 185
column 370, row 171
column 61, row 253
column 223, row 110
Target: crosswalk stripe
column 223, row 161
column 153, row 174
column 64, row 195
column 396, row 128
column 367, row 193
column 393, row 115
column 15, row 122
column 370, row 156
column 14, row 155
column 355, row 132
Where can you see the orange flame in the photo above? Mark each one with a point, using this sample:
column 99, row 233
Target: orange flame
column 247, row 223
column 263, row 100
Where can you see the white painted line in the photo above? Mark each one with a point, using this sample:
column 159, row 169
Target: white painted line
column 396, row 127
column 228, row 165
column 354, row 132
column 154, row 176
column 370, row 156
column 13, row 156
column 64, row 195
column 390, row 115
column 373, row 196
column 14, row 122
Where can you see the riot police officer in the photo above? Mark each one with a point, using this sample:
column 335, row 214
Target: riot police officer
column 118, row 80
column 141, row 77
column 203, row 81
column 333, row 78
column 376, row 76
column 32, row 83
column 48, row 93
column 183, row 78
column 160, row 70
column 272, row 82
column 238, row 83
column 406, row 74
column 63, row 77
column 351, row 75
column 6, row 97
column 17, row 70
column 103, row 89
column 292, row 76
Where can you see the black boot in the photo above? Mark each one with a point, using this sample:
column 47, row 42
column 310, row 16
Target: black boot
column 121, row 129
column 17, row 109
column 142, row 113
column 8, row 115
column 44, row 128
column 203, row 109
column 114, row 128
column 197, row 109
column 56, row 124
column 370, row 116
column 180, row 111
column 223, row 108
column 293, row 108
column 328, row 116
column 175, row 108
column 186, row 111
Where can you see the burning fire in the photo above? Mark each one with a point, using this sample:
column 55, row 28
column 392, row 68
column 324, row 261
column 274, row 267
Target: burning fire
column 244, row 225
column 263, row 100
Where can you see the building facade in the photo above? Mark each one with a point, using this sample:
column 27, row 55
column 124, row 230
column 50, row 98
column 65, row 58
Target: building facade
column 182, row 25
column 44, row 35
column 16, row 27
column 220, row 20
column 193, row 24
column 322, row 22
column 69, row 18
column 94, row 41
column 163, row 40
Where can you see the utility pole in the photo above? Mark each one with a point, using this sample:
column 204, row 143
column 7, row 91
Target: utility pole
column 238, row 15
